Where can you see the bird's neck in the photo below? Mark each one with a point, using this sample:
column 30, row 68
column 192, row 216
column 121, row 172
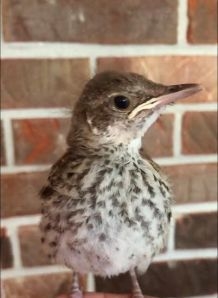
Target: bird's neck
column 114, row 140
column 93, row 146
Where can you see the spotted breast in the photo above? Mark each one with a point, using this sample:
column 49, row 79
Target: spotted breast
column 105, row 214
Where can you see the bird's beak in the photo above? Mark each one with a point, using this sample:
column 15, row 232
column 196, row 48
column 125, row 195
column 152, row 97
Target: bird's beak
column 170, row 95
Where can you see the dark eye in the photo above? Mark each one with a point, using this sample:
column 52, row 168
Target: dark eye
column 121, row 102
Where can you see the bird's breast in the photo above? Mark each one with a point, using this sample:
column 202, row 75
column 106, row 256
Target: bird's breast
column 119, row 212
column 129, row 194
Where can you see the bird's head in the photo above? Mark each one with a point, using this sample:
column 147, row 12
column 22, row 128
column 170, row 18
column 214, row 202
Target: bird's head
column 118, row 107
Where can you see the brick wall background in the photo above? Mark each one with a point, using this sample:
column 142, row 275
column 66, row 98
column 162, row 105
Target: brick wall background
column 50, row 48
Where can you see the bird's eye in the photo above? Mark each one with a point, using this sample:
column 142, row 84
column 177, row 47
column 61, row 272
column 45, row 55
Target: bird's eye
column 121, row 102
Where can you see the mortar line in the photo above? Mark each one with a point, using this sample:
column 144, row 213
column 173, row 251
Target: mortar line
column 16, row 169
column 92, row 63
column 90, row 283
column 182, row 22
column 42, row 270
column 29, row 113
column 193, row 208
column 8, row 141
column 23, row 220
column 177, row 134
column 36, row 113
column 186, row 160
column 15, row 247
column 187, row 254
column 171, row 236
column 37, row 50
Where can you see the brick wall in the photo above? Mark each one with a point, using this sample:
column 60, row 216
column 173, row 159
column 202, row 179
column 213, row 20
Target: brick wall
column 50, row 48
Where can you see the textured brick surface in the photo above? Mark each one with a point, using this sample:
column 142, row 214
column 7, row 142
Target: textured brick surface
column 91, row 21
column 176, row 279
column 202, row 21
column 199, row 133
column 43, row 286
column 30, row 240
column 172, row 70
column 196, row 231
column 40, row 141
column 193, row 183
column 157, row 141
column 19, row 193
column 2, row 157
column 6, row 253
column 34, row 83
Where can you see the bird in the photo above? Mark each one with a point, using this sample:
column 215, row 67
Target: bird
column 106, row 208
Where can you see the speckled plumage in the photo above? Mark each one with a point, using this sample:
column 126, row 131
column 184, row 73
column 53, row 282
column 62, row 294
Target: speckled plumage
column 105, row 208
column 108, row 214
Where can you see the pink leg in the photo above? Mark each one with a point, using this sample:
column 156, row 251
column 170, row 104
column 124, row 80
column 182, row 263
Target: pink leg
column 75, row 289
column 137, row 293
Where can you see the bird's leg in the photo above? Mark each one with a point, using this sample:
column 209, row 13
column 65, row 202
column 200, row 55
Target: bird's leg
column 75, row 288
column 137, row 293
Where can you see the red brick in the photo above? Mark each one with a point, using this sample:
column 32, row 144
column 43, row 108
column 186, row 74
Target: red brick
column 196, row 231
column 30, row 239
column 173, row 279
column 39, row 286
column 202, row 21
column 19, row 193
column 6, row 252
column 199, row 133
column 2, row 148
column 172, row 70
column 157, row 141
column 193, row 183
column 35, row 83
column 97, row 21
column 40, row 141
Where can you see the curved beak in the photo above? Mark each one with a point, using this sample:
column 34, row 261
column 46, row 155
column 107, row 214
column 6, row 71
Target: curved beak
column 170, row 95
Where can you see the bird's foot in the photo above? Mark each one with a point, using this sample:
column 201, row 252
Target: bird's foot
column 76, row 294
column 137, row 293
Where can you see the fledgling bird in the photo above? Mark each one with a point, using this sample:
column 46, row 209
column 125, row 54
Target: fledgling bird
column 105, row 208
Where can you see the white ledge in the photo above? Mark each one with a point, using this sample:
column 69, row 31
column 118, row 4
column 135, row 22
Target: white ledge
column 14, row 273
column 31, row 113
column 189, row 254
column 36, row 50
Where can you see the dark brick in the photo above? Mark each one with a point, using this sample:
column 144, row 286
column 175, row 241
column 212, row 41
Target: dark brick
column 172, row 70
column 202, row 21
column 2, row 148
column 35, row 83
column 43, row 286
column 6, row 253
column 197, row 231
column 193, row 183
column 158, row 140
column 97, row 21
column 19, row 193
column 40, row 141
column 199, row 133
column 30, row 239
column 175, row 279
